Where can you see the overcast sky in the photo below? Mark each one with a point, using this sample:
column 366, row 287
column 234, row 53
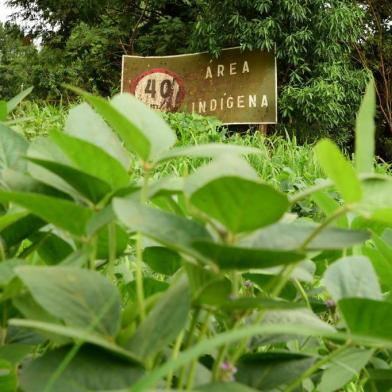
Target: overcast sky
column 5, row 11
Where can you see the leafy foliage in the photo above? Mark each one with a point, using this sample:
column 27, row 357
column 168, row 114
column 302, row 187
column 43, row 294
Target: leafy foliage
column 208, row 281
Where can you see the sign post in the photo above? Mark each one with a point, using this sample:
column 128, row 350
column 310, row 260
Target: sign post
column 239, row 87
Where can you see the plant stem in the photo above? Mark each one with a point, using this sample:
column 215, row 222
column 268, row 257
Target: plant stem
column 175, row 352
column 302, row 292
column 192, row 368
column 139, row 252
column 217, row 363
column 187, row 344
column 296, row 383
column 112, row 249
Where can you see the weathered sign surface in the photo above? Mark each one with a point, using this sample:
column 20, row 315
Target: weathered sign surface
column 238, row 87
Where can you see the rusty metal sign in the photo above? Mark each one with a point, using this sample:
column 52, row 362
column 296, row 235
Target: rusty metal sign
column 239, row 87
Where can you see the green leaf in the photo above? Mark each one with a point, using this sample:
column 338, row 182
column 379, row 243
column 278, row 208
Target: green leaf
column 7, row 272
column 169, row 229
column 368, row 318
column 92, row 160
column 248, row 303
column 228, row 190
column 15, row 101
column 224, row 387
column 8, row 381
column 52, row 249
column 90, row 369
column 13, row 148
column 344, row 368
column 212, row 150
column 241, row 258
column 263, row 371
column 121, row 237
column 20, row 230
column 207, row 288
column 81, row 298
column 163, row 323
column 365, row 131
column 328, row 205
column 84, row 123
column 147, row 121
column 91, row 187
column 381, row 378
column 14, row 353
column 291, row 236
column 339, row 170
column 162, row 260
column 62, row 213
column 150, row 286
column 77, row 334
column 352, row 277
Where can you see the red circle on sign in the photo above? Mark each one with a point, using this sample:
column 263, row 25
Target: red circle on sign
column 180, row 94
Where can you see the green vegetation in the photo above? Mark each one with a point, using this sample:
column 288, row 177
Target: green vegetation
column 132, row 262
column 322, row 48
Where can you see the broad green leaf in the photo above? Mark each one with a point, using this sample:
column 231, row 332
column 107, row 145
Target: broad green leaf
column 76, row 334
column 352, row 277
column 91, row 187
column 92, row 160
column 91, row 369
column 264, row 371
column 14, row 353
column 381, row 378
column 162, row 260
column 242, row 258
column 150, row 286
column 8, row 381
column 228, row 190
column 81, row 298
column 224, row 387
column 13, row 148
column 247, row 303
column 339, row 170
column 212, row 150
column 207, row 288
column 84, row 123
column 169, row 229
column 368, row 318
column 381, row 263
column 344, row 368
column 297, row 327
column 163, row 323
column 7, row 272
column 328, row 205
column 62, row 213
column 15, row 101
column 52, row 249
column 121, row 241
column 147, row 122
column 12, row 216
column 291, row 236
column 365, row 131
column 21, row 229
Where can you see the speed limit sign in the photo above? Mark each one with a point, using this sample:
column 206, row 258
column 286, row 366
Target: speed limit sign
column 160, row 88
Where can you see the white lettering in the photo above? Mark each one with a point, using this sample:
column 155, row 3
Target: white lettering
column 264, row 102
column 233, row 69
column 202, row 106
column 209, row 73
column 240, row 101
column 230, row 103
column 245, row 68
column 252, row 101
column 213, row 105
column 221, row 70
